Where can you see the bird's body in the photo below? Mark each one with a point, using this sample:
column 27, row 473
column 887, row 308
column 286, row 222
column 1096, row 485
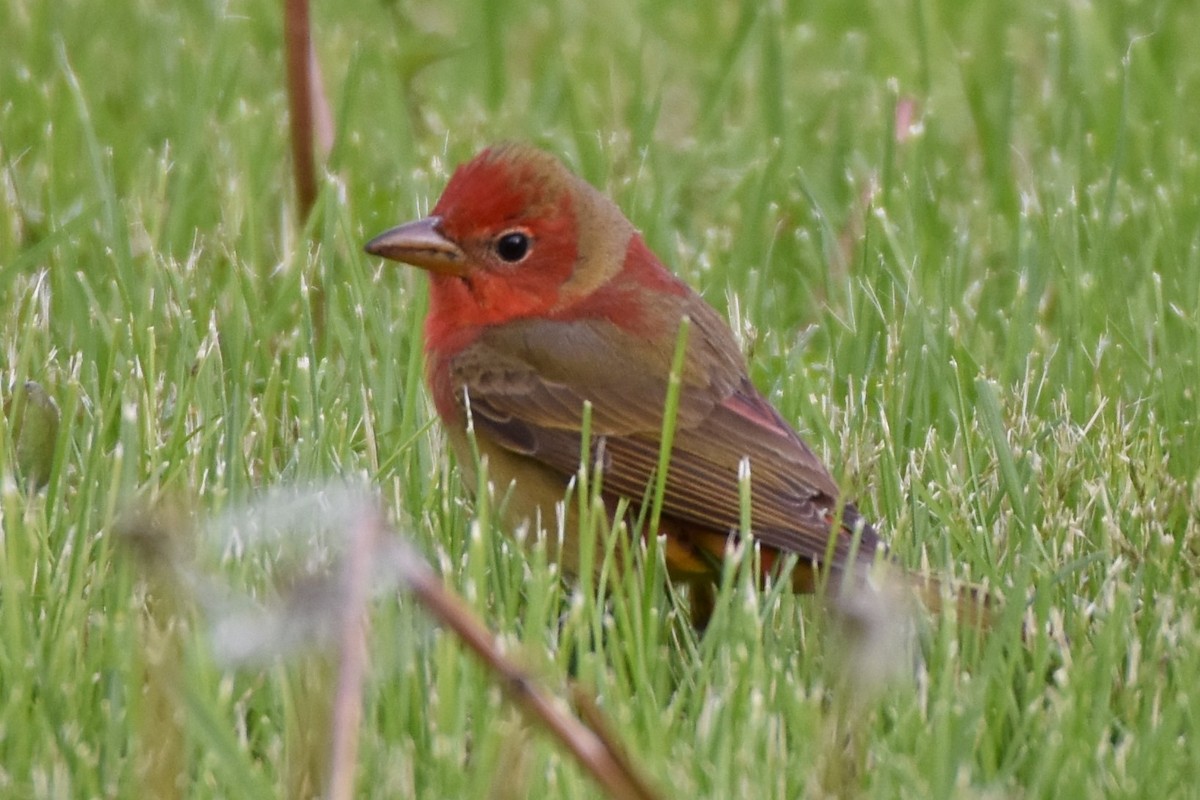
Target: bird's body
column 543, row 297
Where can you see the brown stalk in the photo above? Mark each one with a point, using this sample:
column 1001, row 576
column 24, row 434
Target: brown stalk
column 310, row 121
column 593, row 748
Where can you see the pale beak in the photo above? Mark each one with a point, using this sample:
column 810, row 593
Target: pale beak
column 421, row 244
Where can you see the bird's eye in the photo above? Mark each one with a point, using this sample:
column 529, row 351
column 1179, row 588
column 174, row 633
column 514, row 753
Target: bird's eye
column 513, row 246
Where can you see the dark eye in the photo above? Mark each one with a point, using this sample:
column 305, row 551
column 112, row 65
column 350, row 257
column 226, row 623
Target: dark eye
column 512, row 246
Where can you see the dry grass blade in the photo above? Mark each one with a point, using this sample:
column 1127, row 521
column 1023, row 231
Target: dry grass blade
column 592, row 747
column 308, row 107
column 594, row 718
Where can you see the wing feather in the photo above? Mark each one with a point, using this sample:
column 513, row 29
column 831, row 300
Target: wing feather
column 528, row 381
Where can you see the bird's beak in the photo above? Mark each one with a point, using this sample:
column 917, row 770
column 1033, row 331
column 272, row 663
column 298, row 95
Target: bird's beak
column 421, row 244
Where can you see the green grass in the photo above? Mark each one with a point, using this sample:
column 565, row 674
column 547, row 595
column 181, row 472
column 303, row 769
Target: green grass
column 987, row 323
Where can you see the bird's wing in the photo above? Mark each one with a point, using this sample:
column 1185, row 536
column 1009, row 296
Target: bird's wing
column 527, row 382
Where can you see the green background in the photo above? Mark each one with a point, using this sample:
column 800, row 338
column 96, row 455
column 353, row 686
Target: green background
column 960, row 243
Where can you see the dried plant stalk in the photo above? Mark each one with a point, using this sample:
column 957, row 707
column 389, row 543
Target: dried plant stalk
column 592, row 748
column 310, row 121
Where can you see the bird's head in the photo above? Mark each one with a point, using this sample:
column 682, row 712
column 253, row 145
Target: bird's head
column 515, row 233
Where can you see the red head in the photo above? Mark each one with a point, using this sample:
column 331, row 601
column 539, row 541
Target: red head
column 515, row 234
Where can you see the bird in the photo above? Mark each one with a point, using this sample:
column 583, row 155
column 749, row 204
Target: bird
column 544, row 300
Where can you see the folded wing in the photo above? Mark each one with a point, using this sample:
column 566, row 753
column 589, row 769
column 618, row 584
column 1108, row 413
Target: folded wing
column 527, row 382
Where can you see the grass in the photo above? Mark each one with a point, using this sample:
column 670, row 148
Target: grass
column 984, row 318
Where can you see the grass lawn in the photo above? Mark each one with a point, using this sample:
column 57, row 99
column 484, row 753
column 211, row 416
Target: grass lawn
column 960, row 242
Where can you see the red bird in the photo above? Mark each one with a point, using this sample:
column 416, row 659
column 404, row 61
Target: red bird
column 543, row 297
